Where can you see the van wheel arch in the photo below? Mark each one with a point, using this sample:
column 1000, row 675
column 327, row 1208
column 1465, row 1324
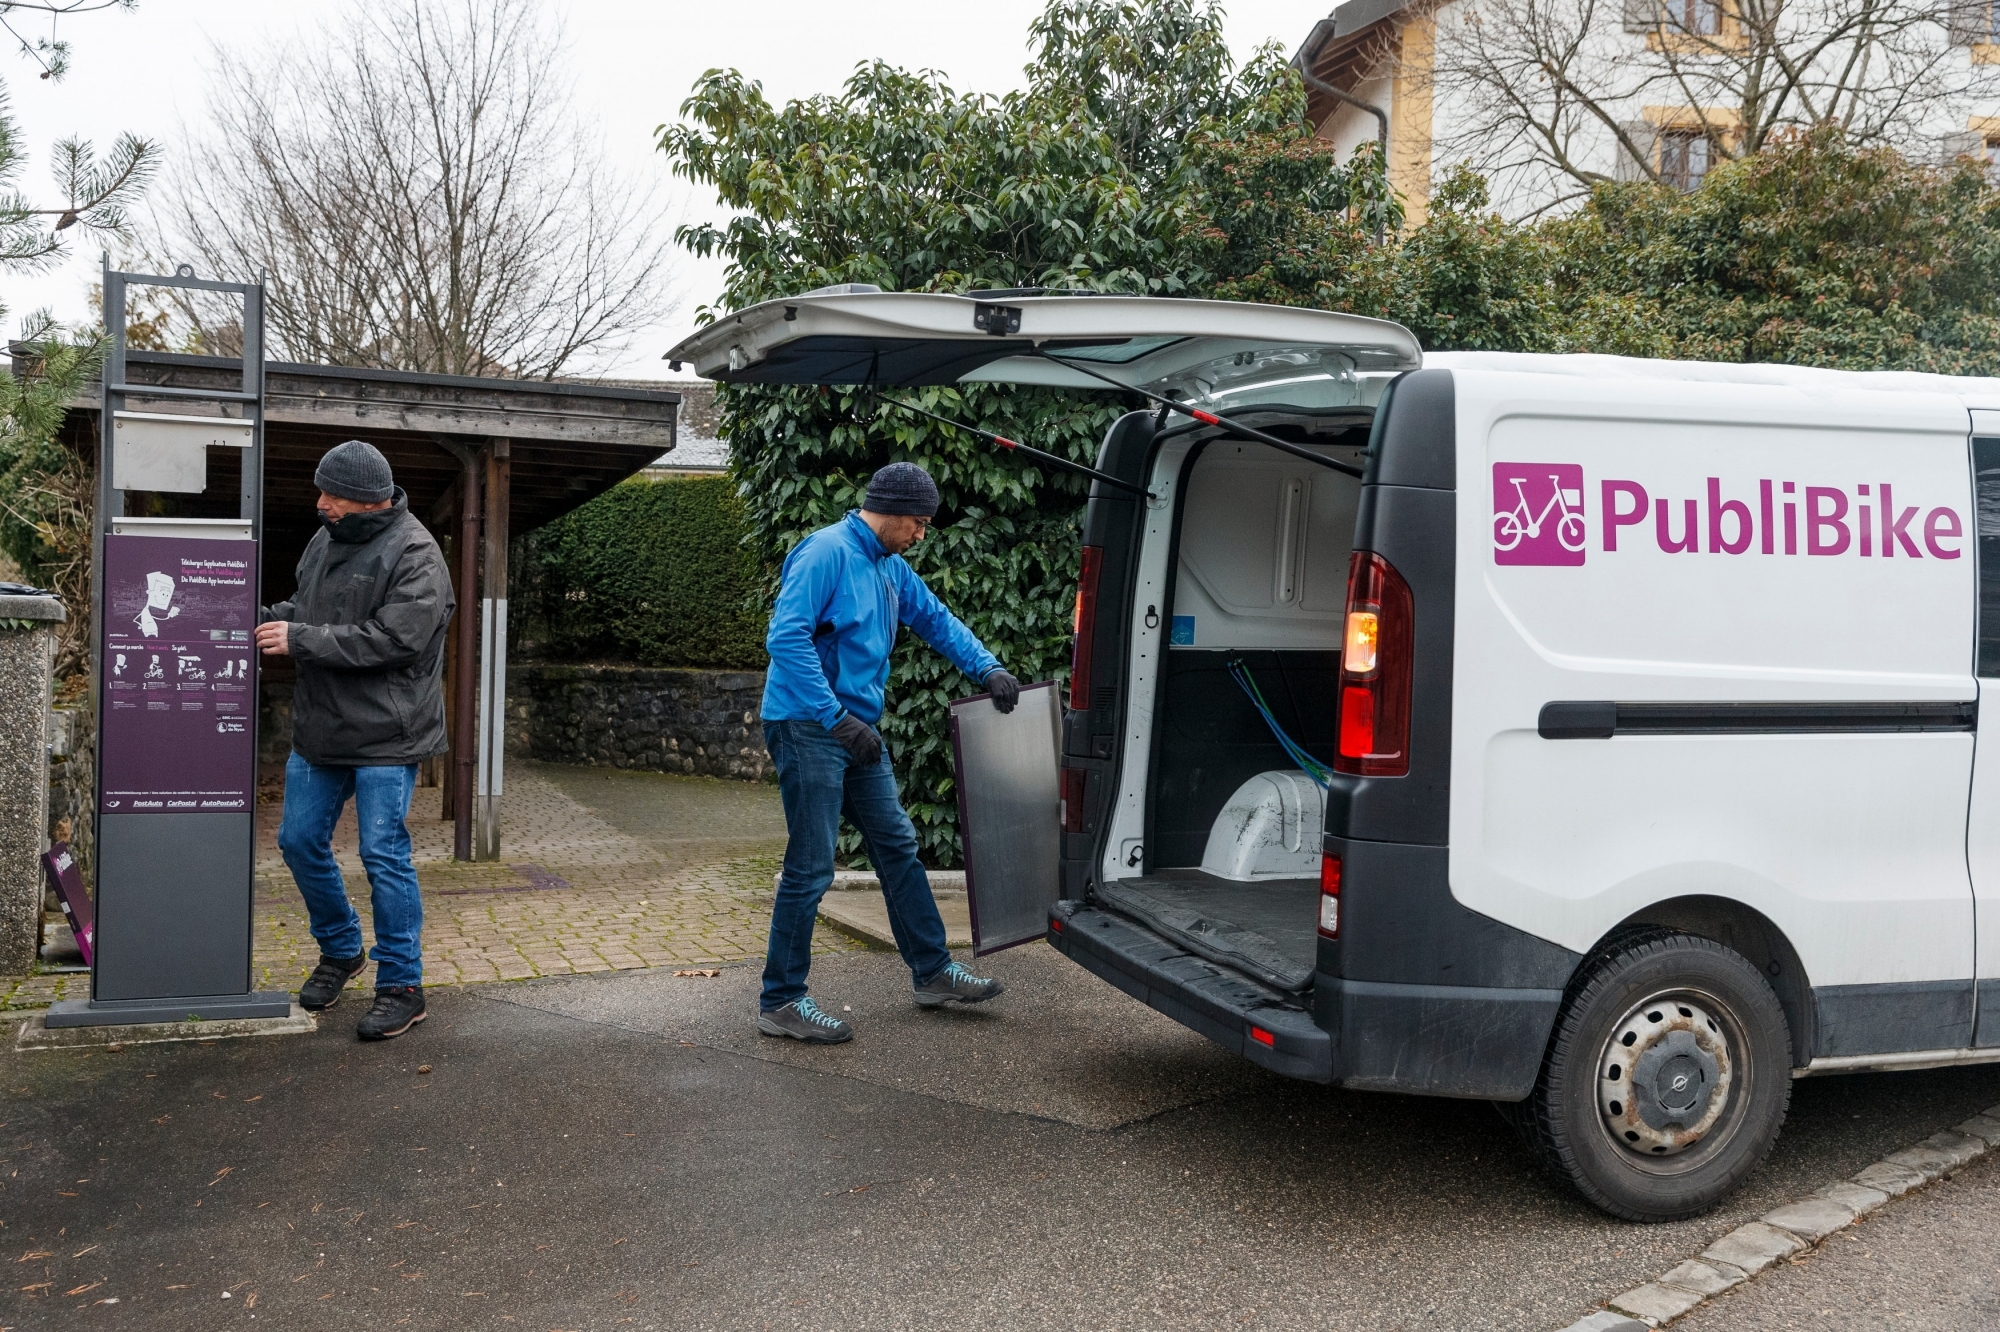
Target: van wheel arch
column 1744, row 930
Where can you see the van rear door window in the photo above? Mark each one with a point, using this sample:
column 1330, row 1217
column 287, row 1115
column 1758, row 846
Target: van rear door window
column 1986, row 491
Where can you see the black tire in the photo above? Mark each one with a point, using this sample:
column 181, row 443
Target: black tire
column 1712, row 1055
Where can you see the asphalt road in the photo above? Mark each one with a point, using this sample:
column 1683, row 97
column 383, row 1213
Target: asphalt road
column 623, row 1150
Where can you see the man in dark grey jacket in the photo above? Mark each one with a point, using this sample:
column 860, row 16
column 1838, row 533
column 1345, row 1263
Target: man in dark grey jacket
column 367, row 629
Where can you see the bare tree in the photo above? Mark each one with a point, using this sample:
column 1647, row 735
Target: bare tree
column 1551, row 96
column 419, row 195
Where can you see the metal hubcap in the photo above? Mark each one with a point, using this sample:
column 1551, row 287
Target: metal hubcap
column 1664, row 1077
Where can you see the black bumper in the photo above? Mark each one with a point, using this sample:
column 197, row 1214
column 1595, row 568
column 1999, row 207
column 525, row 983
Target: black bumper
column 1432, row 1040
column 1259, row 1023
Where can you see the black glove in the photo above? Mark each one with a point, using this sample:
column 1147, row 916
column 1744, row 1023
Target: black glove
column 858, row 738
column 1006, row 690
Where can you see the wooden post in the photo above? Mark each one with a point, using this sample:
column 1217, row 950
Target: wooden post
column 493, row 654
column 464, row 745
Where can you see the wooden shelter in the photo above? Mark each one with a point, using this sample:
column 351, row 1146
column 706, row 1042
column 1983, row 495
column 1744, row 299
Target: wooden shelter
column 482, row 460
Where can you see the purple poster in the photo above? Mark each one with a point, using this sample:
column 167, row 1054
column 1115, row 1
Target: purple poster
column 180, row 690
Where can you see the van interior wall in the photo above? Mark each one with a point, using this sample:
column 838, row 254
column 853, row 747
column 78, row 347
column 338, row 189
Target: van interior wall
column 1260, row 577
column 1211, row 739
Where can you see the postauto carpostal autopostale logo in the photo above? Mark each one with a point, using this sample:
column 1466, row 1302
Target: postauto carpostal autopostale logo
column 1539, row 517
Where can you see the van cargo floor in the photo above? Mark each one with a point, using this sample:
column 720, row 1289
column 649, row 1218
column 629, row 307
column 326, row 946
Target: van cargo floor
column 1266, row 929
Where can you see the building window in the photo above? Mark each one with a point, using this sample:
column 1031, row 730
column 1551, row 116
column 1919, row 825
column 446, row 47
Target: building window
column 1684, row 157
column 1703, row 18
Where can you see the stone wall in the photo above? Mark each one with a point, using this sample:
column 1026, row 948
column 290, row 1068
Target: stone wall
column 605, row 716
column 637, row 717
column 27, row 650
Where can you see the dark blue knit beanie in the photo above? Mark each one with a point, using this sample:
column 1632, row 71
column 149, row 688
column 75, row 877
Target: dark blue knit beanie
column 902, row 487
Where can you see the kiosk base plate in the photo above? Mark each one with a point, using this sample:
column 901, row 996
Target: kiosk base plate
column 204, row 1008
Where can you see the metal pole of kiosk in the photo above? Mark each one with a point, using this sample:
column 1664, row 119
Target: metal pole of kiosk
column 174, row 662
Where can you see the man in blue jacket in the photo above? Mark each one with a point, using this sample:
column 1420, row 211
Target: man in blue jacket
column 842, row 595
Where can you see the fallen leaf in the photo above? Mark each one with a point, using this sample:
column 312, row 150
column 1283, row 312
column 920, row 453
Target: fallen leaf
column 251, row 1302
column 699, row 971
column 861, row 1188
column 423, row 1068
column 615, row 1243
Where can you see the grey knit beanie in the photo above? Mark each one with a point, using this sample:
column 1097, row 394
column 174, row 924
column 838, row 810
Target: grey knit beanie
column 902, row 487
column 356, row 471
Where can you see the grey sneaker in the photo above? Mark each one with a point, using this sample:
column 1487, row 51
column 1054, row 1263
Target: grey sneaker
column 802, row 1021
column 957, row 984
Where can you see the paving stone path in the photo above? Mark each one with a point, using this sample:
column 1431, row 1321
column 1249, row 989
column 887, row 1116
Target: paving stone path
column 600, row 870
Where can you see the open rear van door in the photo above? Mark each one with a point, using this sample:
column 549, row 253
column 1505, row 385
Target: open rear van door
column 1009, row 813
column 1213, row 353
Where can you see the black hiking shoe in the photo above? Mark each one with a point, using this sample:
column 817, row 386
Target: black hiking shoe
column 957, row 985
column 397, row 1009
column 329, row 978
column 802, row 1020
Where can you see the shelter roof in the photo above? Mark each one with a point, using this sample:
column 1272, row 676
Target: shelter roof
column 567, row 442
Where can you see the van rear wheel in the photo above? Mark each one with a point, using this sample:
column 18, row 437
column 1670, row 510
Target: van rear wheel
column 1666, row 1081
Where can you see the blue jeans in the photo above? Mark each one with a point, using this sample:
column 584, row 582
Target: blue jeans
column 819, row 781
column 314, row 796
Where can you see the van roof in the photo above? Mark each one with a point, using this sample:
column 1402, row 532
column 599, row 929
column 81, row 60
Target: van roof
column 1974, row 391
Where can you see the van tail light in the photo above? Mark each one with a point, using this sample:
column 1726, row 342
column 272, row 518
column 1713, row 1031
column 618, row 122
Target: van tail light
column 1085, row 627
column 1329, row 897
column 1072, row 799
column 1375, row 657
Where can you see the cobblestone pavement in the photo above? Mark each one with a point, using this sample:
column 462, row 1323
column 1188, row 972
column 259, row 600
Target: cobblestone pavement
column 600, row 870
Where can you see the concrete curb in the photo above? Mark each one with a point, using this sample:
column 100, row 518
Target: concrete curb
column 1793, row 1228
column 36, row 1035
column 850, row 880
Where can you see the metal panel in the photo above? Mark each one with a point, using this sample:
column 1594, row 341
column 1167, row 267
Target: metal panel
column 1009, row 813
column 208, row 529
column 173, row 905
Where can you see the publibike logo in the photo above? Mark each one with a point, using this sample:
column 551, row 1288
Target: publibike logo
column 1538, row 513
column 1539, row 518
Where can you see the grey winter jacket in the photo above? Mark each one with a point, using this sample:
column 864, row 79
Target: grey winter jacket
column 368, row 629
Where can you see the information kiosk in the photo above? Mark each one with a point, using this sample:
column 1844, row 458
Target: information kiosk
column 174, row 604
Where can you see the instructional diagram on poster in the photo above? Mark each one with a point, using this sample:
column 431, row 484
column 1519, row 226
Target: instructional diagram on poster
column 179, row 678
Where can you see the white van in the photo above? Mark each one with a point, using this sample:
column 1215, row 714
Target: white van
column 1606, row 749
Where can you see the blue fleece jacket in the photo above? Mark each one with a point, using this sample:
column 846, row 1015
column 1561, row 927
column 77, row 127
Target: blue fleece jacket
column 841, row 598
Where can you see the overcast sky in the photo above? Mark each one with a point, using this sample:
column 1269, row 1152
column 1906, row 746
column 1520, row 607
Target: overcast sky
column 633, row 62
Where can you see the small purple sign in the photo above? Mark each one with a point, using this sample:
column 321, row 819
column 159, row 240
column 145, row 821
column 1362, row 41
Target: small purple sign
column 1538, row 513
column 180, row 685
column 60, row 866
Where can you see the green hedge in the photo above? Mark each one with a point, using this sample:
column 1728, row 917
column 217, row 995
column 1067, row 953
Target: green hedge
column 655, row 572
